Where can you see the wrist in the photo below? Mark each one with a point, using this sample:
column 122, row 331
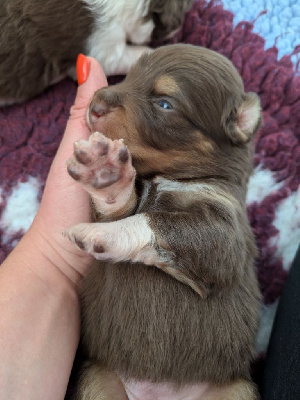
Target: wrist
column 53, row 258
column 39, row 324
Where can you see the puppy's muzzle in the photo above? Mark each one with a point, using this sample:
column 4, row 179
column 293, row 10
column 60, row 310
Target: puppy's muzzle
column 104, row 101
column 98, row 110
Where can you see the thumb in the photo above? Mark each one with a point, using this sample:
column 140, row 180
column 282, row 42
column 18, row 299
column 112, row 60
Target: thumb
column 91, row 78
column 59, row 185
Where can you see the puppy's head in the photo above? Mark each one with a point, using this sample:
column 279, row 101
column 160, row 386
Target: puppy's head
column 168, row 16
column 182, row 111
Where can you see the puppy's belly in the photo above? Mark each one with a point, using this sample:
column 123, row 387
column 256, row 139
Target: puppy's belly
column 145, row 325
column 144, row 390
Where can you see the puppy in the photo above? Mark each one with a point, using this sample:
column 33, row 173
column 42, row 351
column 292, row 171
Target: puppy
column 171, row 310
column 39, row 43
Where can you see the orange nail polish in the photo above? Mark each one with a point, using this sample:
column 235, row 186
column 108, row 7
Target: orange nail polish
column 82, row 68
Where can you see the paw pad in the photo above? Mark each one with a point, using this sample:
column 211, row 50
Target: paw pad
column 98, row 248
column 100, row 162
column 82, row 156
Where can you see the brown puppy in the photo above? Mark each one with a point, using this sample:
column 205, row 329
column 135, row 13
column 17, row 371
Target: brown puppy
column 171, row 310
column 39, row 42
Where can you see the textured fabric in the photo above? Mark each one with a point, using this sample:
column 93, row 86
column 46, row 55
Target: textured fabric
column 276, row 20
column 30, row 134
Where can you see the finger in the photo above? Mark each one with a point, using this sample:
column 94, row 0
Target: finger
column 94, row 80
column 64, row 198
column 76, row 127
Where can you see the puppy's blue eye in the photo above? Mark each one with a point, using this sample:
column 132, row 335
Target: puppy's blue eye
column 164, row 104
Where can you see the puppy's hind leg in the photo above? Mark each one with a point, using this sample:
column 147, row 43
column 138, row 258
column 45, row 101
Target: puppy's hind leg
column 96, row 383
column 238, row 390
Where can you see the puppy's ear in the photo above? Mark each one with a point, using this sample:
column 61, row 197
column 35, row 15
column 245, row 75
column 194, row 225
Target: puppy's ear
column 242, row 121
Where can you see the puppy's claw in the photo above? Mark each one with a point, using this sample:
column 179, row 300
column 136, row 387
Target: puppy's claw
column 98, row 248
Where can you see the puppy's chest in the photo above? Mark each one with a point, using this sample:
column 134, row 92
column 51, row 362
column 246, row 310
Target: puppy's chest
column 162, row 194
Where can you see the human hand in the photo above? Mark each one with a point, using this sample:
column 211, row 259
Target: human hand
column 40, row 316
column 64, row 202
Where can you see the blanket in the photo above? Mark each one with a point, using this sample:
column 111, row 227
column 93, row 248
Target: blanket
column 263, row 45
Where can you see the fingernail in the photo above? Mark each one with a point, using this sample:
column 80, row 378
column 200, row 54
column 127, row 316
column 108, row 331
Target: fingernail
column 82, row 68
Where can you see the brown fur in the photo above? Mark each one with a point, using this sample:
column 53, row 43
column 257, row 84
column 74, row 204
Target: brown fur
column 168, row 16
column 194, row 318
column 39, row 42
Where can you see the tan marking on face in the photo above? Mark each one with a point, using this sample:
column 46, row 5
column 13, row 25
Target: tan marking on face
column 166, row 85
column 147, row 159
column 113, row 125
column 120, row 124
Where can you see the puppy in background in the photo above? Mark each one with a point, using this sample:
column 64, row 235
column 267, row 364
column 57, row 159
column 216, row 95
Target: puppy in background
column 40, row 41
column 170, row 312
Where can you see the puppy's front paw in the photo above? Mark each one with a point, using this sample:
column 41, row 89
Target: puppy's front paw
column 99, row 240
column 100, row 162
column 86, row 237
column 126, row 239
